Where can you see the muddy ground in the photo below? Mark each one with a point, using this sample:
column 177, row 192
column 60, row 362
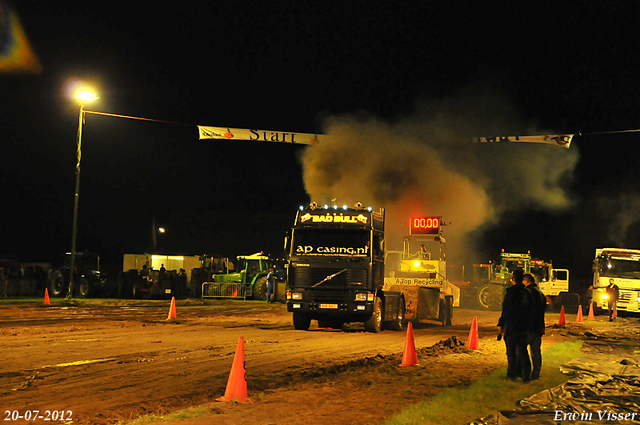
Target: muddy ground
column 113, row 360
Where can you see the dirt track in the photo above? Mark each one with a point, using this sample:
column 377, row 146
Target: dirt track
column 115, row 360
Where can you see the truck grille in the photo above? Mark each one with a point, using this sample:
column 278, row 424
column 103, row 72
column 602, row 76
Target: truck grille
column 625, row 297
column 333, row 297
column 306, row 277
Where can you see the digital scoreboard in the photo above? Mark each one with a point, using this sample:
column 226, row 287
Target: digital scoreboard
column 424, row 226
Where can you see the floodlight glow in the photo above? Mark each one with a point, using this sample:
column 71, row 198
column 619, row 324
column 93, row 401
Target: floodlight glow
column 86, row 95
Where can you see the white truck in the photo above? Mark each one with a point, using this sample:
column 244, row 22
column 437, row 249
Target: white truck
column 623, row 266
column 552, row 282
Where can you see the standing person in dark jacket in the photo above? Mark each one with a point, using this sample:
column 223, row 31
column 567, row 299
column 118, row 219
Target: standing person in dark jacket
column 513, row 325
column 614, row 294
column 538, row 305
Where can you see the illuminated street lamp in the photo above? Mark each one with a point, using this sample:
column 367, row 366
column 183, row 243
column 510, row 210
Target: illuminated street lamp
column 83, row 97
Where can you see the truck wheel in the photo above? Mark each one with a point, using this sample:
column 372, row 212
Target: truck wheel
column 552, row 302
column 84, row 287
column 301, row 322
column 374, row 323
column 58, row 285
column 448, row 302
column 400, row 323
column 260, row 289
column 442, row 312
column 482, row 296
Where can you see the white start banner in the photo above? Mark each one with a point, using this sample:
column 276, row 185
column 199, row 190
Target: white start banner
column 225, row 133
column 563, row 140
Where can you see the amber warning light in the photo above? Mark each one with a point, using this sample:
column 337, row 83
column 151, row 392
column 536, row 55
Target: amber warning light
column 425, row 226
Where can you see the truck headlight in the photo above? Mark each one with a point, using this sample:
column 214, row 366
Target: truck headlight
column 604, row 296
column 361, row 297
column 296, row 296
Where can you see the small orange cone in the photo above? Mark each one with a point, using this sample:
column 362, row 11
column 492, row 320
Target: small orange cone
column 237, row 384
column 46, row 297
column 591, row 315
column 472, row 341
column 562, row 321
column 615, row 313
column 172, row 310
column 579, row 318
column 409, row 358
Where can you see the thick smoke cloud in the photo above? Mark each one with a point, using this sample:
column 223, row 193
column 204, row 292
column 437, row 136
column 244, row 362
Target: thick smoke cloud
column 621, row 212
column 425, row 165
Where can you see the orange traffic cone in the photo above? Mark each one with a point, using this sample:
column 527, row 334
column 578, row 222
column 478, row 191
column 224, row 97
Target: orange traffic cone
column 579, row 318
column 615, row 313
column 562, row 321
column 409, row 358
column 237, row 384
column 591, row 315
column 472, row 341
column 46, row 297
column 172, row 310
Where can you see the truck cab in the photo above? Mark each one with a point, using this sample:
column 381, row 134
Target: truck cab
column 336, row 269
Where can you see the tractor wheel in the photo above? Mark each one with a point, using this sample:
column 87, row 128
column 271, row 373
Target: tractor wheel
column 495, row 297
column 84, row 287
column 58, row 285
column 260, row 289
column 400, row 323
column 482, row 296
column 374, row 323
column 301, row 322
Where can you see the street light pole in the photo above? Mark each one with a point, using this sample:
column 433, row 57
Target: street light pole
column 83, row 97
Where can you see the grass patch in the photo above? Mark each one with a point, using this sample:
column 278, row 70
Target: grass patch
column 192, row 412
column 490, row 394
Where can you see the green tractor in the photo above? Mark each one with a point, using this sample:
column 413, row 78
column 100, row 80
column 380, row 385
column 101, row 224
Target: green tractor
column 497, row 286
column 248, row 281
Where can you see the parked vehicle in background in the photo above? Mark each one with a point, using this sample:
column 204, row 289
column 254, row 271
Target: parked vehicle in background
column 623, row 266
column 88, row 280
column 553, row 283
column 248, row 281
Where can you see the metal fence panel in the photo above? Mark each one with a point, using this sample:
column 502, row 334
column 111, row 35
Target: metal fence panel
column 223, row 290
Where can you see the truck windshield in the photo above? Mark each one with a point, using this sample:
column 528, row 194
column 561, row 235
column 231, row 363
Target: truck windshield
column 338, row 242
column 614, row 266
column 540, row 272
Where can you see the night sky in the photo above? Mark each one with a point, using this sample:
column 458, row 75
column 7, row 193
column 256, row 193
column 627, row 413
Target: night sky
column 295, row 66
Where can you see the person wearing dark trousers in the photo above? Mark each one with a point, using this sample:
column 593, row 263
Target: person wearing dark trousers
column 538, row 306
column 271, row 277
column 614, row 294
column 513, row 326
